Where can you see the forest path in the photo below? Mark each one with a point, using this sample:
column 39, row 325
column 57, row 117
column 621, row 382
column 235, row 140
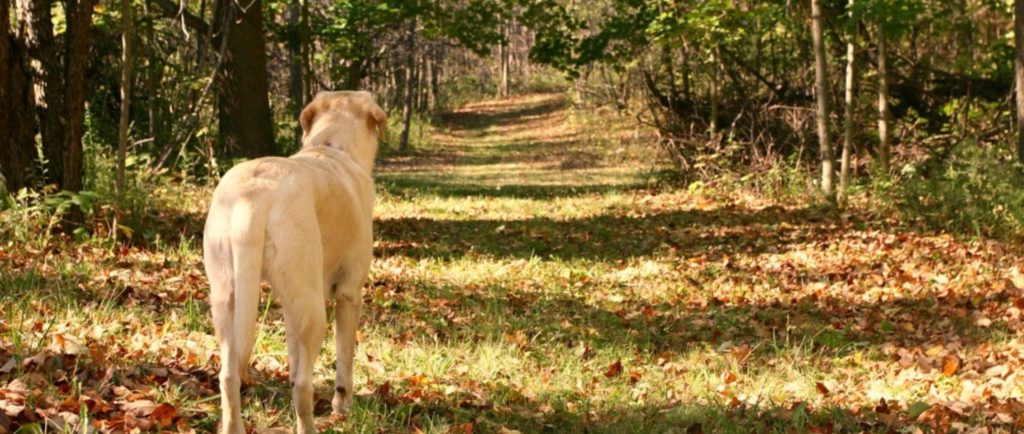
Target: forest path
column 531, row 146
column 529, row 276
column 528, row 244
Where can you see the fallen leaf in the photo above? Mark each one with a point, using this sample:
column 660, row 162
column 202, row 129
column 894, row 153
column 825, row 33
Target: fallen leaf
column 584, row 351
column 384, row 391
column 742, row 352
column 614, row 369
column 822, row 389
column 140, row 408
column 728, row 378
column 950, row 364
column 36, row 360
column 634, row 376
column 466, row 428
column 163, row 415
column 7, row 367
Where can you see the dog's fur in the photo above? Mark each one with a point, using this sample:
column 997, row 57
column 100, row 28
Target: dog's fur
column 303, row 224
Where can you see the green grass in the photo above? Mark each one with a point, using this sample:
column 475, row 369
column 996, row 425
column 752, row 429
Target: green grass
column 532, row 276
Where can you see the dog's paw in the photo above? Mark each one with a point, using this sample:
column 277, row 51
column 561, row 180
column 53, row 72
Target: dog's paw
column 342, row 400
column 245, row 376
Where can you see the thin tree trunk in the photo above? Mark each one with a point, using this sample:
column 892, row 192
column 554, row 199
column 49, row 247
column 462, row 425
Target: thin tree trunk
column 304, row 42
column 685, row 71
column 504, row 54
column 821, row 83
column 883, row 105
column 126, row 92
column 428, row 62
column 849, row 116
column 1018, row 32
column 295, row 63
column 410, row 89
column 713, row 91
column 435, row 76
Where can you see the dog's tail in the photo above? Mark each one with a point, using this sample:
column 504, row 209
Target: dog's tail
column 248, row 236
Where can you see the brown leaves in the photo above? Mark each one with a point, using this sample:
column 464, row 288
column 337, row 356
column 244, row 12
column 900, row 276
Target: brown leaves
column 614, row 369
column 822, row 389
column 950, row 364
column 163, row 415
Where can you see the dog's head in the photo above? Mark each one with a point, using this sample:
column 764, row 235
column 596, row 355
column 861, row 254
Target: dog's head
column 347, row 120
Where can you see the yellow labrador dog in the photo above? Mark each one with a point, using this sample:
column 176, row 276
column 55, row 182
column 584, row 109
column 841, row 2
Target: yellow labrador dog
column 303, row 224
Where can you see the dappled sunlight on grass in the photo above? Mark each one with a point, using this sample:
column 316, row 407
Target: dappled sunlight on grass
column 513, row 290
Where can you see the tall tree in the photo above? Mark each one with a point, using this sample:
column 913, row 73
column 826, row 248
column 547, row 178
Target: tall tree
column 849, row 115
column 246, row 125
column 297, row 59
column 36, row 31
column 77, row 42
column 17, row 120
column 59, row 83
column 821, row 85
column 713, row 93
column 126, row 92
column 410, row 85
column 1018, row 37
column 503, row 53
column 883, row 103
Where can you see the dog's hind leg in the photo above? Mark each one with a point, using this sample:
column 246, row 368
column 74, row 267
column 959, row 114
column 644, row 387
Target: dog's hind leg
column 305, row 325
column 349, row 307
column 222, row 305
column 233, row 255
column 296, row 274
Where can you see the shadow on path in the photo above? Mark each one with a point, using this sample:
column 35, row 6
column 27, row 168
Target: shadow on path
column 479, row 117
column 603, row 237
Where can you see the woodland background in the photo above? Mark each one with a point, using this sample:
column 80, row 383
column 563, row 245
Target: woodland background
column 752, row 215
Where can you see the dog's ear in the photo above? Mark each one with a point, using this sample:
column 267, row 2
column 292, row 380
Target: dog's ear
column 308, row 115
column 379, row 120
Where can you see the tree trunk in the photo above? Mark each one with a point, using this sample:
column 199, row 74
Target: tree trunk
column 436, row 60
column 410, row 88
column 355, row 73
column 76, row 59
column 296, row 63
column 821, row 83
column 849, row 116
column 126, row 94
column 713, row 94
column 883, row 105
column 246, row 126
column 685, row 71
column 36, row 31
column 504, row 54
column 307, row 75
column 17, row 120
column 1018, row 32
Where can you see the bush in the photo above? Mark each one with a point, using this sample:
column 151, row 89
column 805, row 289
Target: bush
column 974, row 191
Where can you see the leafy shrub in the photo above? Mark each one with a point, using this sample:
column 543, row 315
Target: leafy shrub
column 545, row 80
column 974, row 192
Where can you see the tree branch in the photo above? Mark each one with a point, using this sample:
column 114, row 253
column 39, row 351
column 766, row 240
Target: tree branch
column 173, row 10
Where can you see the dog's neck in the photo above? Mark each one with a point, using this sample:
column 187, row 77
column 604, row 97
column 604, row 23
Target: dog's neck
column 336, row 137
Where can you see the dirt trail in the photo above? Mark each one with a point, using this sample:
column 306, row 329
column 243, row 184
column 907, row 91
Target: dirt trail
column 531, row 140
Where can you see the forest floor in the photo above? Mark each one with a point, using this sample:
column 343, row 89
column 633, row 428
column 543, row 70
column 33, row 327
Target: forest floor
column 532, row 277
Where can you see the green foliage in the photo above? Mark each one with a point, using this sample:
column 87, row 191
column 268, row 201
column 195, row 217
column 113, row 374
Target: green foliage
column 545, row 80
column 897, row 16
column 975, row 192
column 465, row 89
column 349, row 29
